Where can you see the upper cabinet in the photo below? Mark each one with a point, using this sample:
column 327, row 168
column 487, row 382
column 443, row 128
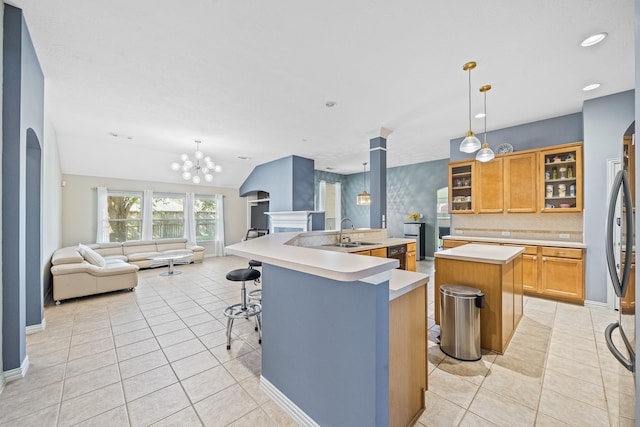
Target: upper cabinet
column 561, row 172
column 490, row 178
column 542, row 180
column 461, row 184
column 521, row 185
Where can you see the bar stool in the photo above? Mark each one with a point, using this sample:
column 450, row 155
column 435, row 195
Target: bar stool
column 255, row 295
column 244, row 309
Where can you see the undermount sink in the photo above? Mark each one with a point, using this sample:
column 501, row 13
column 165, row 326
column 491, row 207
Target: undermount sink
column 350, row 244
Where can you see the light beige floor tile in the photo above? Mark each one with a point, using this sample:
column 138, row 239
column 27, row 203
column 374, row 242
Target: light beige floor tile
column 136, row 349
column 36, row 378
column 90, row 363
column 92, row 380
column 440, row 412
column 198, row 319
column 158, row 405
column 206, row 328
column 571, row 411
column 53, row 358
column 544, row 420
column 578, row 356
column 454, row 388
column 129, row 327
column 501, row 410
column 87, row 337
column 44, row 417
column 214, row 339
column 470, row 371
column 143, row 363
column 83, row 350
column 528, row 362
column 159, row 320
column 46, row 347
column 155, row 312
column 115, row 417
column 189, row 366
column 184, row 418
column 245, row 366
column 225, row 407
column 148, row 382
column 183, row 349
column 21, row 405
column 569, row 367
column 575, row 388
column 257, row 417
column 514, row 385
column 175, row 337
column 132, row 337
column 189, row 312
column 252, row 386
column 96, row 402
column 472, row 420
column 166, row 327
column 207, row 383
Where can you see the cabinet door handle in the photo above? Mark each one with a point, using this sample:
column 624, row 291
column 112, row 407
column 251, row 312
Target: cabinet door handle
column 509, row 210
column 544, row 258
column 559, row 252
column 535, row 258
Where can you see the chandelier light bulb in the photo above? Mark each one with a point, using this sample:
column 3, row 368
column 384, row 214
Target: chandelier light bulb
column 195, row 170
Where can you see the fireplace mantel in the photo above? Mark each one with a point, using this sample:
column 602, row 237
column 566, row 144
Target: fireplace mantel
column 290, row 221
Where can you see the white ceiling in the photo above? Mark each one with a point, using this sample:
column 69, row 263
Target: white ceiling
column 251, row 77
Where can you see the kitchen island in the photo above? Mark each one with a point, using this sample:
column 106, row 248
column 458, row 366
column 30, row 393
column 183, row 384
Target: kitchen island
column 497, row 272
column 344, row 336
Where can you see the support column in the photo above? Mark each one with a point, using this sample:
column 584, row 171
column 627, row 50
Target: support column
column 378, row 174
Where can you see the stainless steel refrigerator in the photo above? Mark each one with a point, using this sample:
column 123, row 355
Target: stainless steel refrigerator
column 620, row 251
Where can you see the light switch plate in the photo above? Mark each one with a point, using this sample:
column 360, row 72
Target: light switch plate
column 565, row 236
column 506, row 233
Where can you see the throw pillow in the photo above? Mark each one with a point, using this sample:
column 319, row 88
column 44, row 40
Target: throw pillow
column 91, row 256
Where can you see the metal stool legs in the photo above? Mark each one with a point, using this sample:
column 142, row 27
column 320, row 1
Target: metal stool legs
column 244, row 309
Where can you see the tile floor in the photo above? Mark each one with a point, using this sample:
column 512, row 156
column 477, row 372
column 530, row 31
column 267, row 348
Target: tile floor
column 157, row 356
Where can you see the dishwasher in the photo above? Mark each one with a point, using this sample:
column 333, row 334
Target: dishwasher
column 398, row 252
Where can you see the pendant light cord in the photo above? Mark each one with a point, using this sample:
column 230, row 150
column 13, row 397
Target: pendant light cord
column 469, row 99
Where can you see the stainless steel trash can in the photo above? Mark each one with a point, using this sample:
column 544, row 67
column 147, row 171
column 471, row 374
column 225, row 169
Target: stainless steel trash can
column 460, row 321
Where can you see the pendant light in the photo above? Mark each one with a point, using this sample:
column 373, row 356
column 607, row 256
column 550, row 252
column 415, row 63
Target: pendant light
column 486, row 153
column 364, row 198
column 470, row 144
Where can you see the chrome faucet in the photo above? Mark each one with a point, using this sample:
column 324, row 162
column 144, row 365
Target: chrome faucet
column 341, row 223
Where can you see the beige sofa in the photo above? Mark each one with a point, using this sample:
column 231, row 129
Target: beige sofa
column 104, row 267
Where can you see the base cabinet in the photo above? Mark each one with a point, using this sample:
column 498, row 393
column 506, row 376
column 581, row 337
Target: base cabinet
column 410, row 264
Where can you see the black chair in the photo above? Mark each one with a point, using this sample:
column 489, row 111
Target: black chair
column 243, row 309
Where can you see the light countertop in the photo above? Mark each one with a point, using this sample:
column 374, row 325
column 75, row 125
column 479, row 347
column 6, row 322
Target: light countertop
column 488, row 254
column 379, row 243
column 555, row 243
column 332, row 264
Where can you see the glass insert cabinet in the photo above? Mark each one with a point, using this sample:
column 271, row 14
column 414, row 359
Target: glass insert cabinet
column 561, row 170
column 461, row 182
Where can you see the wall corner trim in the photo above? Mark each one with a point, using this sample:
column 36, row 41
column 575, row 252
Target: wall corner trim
column 17, row 373
column 283, row 401
column 39, row 327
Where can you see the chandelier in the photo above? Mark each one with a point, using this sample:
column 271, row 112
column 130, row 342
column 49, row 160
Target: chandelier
column 486, row 153
column 191, row 170
column 364, row 198
column 470, row 143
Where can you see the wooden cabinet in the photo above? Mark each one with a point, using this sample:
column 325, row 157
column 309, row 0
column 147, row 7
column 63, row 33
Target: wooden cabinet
column 529, row 268
column 521, row 184
column 410, row 264
column 562, row 273
column 379, row 252
column 561, row 172
column 490, row 185
column 461, row 181
column 449, row 243
column 368, row 253
column 628, row 303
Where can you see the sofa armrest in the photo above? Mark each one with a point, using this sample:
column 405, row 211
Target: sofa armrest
column 111, row 269
column 194, row 247
column 68, row 255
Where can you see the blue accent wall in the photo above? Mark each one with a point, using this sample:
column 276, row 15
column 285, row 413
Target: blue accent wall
column 22, row 110
column 543, row 133
column 336, row 370
column 289, row 182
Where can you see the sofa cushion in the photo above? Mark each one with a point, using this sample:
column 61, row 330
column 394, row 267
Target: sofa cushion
column 68, row 255
column 139, row 256
column 91, row 256
column 134, row 247
column 107, row 249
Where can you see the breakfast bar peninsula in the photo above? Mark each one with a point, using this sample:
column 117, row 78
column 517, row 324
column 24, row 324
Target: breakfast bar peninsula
column 344, row 336
column 497, row 272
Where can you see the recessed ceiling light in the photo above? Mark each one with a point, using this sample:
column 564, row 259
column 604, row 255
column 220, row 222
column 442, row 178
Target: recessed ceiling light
column 479, row 115
column 594, row 39
column 330, row 104
column 244, row 158
column 591, row 87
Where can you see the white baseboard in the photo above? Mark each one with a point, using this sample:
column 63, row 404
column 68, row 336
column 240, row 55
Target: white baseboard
column 17, row 373
column 1, row 382
column 289, row 407
column 596, row 304
column 32, row 329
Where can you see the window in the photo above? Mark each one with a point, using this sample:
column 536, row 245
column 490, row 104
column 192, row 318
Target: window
column 205, row 215
column 125, row 216
column 168, row 216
